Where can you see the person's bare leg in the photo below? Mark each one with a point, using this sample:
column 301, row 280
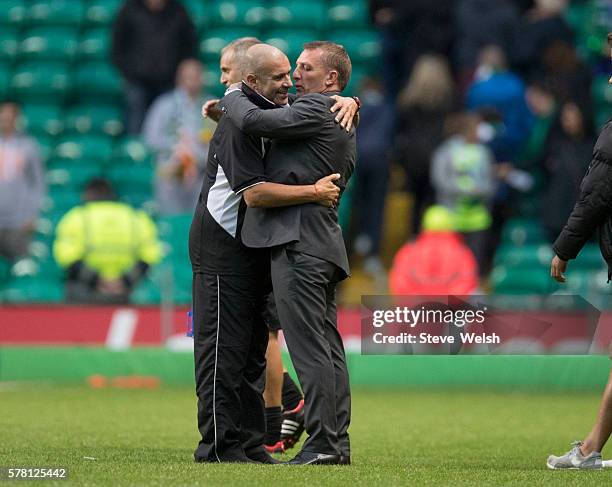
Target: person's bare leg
column 602, row 429
column 274, row 373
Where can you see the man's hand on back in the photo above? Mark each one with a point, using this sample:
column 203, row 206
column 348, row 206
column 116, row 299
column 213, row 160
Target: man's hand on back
column 327, row 191
column 347, row 111
column 210, row 110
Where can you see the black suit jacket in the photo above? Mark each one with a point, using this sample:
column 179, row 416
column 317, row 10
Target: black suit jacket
column 307, row 144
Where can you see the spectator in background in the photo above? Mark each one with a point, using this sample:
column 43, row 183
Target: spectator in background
column 21, row 184
column 567, row 155
column 174, row 129
column 481, row 23
column 437, row 263
column 150, row 39
column 539, row 28
column 543, row 107
column 462, row 175
column 410, row 29
column 501, row 94
column 422, row 107
column 374, row 138
column 105, row 246
column 570, row 77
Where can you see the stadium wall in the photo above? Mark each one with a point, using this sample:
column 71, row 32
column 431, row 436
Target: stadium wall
column 70, row 345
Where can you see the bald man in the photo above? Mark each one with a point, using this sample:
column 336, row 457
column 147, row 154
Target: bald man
column 308, row 257
column 230, row 286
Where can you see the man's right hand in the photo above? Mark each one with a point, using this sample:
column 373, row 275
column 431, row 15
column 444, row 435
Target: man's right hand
column 327, row 191
column 558, row 267
column 210, row 110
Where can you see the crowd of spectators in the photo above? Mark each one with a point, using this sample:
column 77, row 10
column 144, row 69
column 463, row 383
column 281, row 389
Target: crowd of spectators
column 489, row 101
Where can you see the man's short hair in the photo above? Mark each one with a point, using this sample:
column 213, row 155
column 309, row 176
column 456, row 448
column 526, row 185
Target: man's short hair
column 239, row 47
column 335, row 57
column 609, row 38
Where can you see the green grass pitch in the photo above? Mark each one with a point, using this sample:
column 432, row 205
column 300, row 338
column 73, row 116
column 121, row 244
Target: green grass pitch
column 140, row 437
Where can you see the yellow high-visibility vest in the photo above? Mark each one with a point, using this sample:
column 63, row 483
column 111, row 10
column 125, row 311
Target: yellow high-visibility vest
column 108, row 236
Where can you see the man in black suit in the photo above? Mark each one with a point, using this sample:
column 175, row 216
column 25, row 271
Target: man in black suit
column 308, row 257
column 231, row 281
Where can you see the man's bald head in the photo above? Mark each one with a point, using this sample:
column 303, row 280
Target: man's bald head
column 259, row 57
column 267, row 70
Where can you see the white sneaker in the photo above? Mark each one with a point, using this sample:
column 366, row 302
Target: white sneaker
column 575, row 460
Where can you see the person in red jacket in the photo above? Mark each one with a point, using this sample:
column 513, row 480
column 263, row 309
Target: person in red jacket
column 437, row 262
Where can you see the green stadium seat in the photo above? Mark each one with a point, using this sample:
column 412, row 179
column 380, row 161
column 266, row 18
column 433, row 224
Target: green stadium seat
column 589, row 258
column 72, row 175
column 56, row 12
column 5, row 78
column 128, row 179
column 524, row 256
column 9, row 44
column 146, row 292
column 96, row 82
column 31, row 289
column 40, row 82
column 131, row 151
column 291, row 41
column 94, row 119
column 46, row 144
column 43, row 119
column 102, row 12
column 347, row 14
column 522, row 280
column 48, row 44
column 94, row 45
column 362, row 45
column 5, row 271
column 518, row 231
column 298, row 14
column 61, row 199
column 244, row 13
column 174, row 230
column 200, row 12
column 94, row 148
column 12, row 12
column 217, row 39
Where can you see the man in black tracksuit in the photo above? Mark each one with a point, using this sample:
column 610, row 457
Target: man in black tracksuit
column 307, row 248
column 230, row 284
column 593, row 212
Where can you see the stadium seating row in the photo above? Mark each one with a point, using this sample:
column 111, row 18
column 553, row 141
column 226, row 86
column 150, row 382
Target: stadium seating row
column 39, row 279
column 247, row 13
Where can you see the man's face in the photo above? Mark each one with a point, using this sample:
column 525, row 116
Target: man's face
column 610, row 80
column 230, row 73
column 9, row 112
column 310, row 72
column 274, row 84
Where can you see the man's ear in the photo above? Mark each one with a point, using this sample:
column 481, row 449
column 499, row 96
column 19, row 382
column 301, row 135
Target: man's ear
column 251, row 80
column 331, row 78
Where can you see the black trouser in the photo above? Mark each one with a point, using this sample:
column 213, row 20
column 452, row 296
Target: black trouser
column 230, row 340
column 305, row 291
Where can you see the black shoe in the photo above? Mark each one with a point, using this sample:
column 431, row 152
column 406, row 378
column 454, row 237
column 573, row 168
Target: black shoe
column 311, row 458
column 345, row 460
column 262, row 456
